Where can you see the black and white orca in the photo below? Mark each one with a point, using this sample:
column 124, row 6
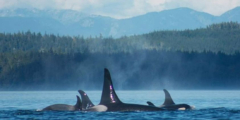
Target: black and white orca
column 170, row 105
column 111, row 102
column 86, row 102
column 64, row 107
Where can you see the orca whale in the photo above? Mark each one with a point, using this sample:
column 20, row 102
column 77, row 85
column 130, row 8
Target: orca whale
column 170, row 105
column 150, row 103
column 111, row 102
column 86, row 102
column 65, row 107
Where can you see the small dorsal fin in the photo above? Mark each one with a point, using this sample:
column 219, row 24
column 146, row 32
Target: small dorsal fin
column 86, row 102
column 78, row 105
column 108, row 92
column 168, row 98
column 150, row 103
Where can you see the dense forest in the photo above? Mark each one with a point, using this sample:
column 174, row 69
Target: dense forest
column 204, row 58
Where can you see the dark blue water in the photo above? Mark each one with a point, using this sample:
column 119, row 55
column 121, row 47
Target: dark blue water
column 208, row 105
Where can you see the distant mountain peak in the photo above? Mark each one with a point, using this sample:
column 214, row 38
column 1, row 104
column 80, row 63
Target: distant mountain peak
column 70, row 22
column 235, row 10
column 231, row 15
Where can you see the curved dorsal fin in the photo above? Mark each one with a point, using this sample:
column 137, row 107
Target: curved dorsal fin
column 168, row 98
column 108, row 92
column 86, row 102
column 150, row 103
column 78, row 105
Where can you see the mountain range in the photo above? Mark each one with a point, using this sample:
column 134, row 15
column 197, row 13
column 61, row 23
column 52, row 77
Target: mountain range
column 69, row 22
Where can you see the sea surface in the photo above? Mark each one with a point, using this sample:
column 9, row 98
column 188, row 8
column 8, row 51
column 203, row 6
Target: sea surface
column 208, row 105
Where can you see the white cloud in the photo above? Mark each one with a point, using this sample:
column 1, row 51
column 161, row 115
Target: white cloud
column 6, row 4
column 217, row 7
column 214, row 7
column 124, row 8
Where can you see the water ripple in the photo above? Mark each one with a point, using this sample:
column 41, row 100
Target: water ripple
column 211, row 113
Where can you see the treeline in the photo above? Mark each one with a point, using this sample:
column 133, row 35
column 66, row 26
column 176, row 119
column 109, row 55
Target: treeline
column 144, row 69
column 206, row 58
column 215, row 38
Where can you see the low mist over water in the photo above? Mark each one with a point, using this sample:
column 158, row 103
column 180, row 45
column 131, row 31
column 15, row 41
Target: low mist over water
column 143, row 70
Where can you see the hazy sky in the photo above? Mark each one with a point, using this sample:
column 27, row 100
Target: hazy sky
column 123, row 8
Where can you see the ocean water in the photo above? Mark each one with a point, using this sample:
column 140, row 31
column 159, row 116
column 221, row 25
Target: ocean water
column 208, row 105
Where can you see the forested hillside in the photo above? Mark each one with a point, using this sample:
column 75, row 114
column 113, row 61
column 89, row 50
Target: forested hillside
column 205, row 58
column 215, row 38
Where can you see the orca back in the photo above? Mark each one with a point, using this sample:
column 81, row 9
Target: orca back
column 108, row 92
column 150, row 103
column 78, row 105
column 168, row 98
column 64, row 107
column 86, row 102
column 111, row 101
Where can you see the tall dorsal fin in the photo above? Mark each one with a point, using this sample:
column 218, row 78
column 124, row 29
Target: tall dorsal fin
column 168, row 98
column 108, row 92
column 150, row 103
column 86, row 102
column 78, row 105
